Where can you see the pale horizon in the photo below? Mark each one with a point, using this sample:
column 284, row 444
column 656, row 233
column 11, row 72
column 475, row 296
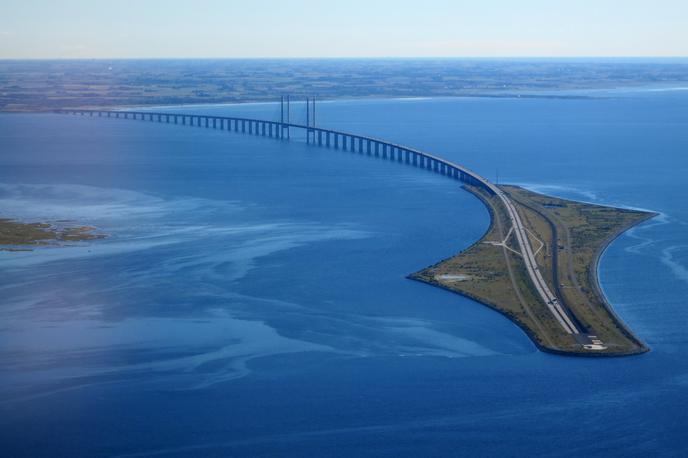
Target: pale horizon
column 308, row 29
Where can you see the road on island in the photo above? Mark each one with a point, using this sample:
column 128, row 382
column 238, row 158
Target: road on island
column 543, row 290
column 531, row 266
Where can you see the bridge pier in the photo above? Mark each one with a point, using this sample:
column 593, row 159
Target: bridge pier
column 349, row 142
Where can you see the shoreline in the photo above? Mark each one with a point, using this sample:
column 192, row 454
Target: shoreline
column 590, row 94
column 597, row 284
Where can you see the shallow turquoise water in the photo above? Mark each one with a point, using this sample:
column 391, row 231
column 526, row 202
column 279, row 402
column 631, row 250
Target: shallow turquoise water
column 250, row 298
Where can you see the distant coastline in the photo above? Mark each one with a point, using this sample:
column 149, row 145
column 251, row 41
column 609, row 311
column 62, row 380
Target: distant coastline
column 46, row 85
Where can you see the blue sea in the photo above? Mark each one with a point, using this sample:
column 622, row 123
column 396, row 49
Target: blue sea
column 250, row 298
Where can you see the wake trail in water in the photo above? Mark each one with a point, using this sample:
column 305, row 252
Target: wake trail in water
column 679, row 270
column 645, row 241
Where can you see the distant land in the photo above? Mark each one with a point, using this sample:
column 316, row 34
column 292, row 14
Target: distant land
column 44, row 85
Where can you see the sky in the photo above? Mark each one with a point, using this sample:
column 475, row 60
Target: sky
column 351, row 28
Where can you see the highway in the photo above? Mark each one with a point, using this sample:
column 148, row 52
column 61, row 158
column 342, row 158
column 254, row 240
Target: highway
column 531, row 265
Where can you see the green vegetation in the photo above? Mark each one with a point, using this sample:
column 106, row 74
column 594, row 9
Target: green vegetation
column 15, row 236
column 569, row 238
column 52, row 84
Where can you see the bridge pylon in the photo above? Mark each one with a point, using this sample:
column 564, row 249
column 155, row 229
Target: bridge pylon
column 285, row 120
column 310, row 119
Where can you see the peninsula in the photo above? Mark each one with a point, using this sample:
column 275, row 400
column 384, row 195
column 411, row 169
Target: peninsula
column 567, row 239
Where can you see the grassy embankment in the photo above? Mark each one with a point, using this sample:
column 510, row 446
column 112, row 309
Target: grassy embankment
column 574, row 234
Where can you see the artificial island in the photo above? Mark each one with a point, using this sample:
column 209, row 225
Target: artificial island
column 536, row 264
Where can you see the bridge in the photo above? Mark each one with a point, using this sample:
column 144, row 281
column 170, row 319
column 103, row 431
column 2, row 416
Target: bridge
column 370, row 146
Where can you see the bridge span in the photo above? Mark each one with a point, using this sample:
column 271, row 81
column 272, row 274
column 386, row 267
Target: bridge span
column 372, row 147
column 316, row 135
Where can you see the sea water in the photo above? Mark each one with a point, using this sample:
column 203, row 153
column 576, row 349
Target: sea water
column 250, row 298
